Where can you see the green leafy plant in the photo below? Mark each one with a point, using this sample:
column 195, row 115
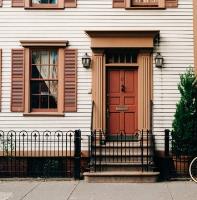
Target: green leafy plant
column 184, row 134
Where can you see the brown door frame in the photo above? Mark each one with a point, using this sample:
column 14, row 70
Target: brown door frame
column 145, row 87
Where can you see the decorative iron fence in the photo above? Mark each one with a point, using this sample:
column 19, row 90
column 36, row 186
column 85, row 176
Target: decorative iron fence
column 176, row 162
column 135, row 150
column 40, row 154
column 69, row 154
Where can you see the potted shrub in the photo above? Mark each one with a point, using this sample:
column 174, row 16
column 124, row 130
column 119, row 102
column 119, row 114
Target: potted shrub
column 184, row 134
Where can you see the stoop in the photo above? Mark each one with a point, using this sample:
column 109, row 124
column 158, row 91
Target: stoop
column 121, row 177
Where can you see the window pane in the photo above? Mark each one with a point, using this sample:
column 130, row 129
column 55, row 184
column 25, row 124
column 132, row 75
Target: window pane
column 35, row 71
column 53, row 57
column 53, row 1
column 35, row 101
column 44, row 101
column 35, row 57
column 44, row 57
column 53, row 72
column 35, row 87
column 44, row 1
column 53, row 88
column 53, row 94
column 44, row 72
column 44, row 87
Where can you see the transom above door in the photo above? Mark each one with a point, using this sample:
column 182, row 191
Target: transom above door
column 122, row 96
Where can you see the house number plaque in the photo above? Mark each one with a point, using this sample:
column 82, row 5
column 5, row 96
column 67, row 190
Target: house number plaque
column 122, row 108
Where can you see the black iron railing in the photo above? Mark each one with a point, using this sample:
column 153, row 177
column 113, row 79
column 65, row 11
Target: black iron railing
column 133, row 150
column 92, row 115
column 69, row 154
column 40, row 154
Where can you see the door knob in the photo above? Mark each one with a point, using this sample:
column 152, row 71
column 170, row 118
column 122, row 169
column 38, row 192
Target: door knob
column 123, row 88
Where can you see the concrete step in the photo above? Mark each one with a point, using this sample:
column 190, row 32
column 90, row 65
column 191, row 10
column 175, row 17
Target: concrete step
column 123, row 158
column 121, row 177
column 122, row 167
column 122, row 151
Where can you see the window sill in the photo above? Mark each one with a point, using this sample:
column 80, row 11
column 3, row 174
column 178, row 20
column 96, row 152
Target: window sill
column 43, row 114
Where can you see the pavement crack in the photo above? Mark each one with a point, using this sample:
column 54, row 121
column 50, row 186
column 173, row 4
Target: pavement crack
column 169, row 192
column 30, row 191
column 73, row 190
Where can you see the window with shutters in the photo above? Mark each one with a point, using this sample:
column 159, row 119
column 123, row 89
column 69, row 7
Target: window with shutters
column 44, row 4
column 145, row 4
column 44, row 80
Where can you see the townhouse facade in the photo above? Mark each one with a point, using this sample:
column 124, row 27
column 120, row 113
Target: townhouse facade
column 45, row 85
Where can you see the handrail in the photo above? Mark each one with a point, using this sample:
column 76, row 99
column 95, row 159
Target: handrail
column 92, row 115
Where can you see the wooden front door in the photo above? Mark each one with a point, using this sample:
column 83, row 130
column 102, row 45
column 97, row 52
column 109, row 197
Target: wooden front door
column 122, row 87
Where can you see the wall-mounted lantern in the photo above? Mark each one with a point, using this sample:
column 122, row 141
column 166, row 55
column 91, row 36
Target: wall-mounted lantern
column 86, row 61
column 159, row 60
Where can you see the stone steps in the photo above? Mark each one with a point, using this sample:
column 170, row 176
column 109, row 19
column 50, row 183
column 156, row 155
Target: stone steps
column 122, row 152
column 120, row 161
column 121, row 177
column 137, row 166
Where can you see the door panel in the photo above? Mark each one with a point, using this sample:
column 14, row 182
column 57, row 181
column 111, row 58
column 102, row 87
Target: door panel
column 129, row 117
column 114, row 122
column 122, row 101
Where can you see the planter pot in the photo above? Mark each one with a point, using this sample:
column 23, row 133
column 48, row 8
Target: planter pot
column 181, row 165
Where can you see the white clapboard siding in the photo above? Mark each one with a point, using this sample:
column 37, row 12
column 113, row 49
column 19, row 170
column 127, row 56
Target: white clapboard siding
column 176, row 31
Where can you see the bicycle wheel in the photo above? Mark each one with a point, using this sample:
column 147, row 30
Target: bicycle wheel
column 193, row 170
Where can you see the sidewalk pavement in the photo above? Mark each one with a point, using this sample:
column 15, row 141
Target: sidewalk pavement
column 80, row 190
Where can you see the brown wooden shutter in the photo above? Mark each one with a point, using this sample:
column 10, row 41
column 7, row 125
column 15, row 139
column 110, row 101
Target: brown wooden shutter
column 171, row 3
column 0, row 77
column 70, row 80
column 70, row 3
column 118, row 3
column 18, row 3
column 17, row 90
